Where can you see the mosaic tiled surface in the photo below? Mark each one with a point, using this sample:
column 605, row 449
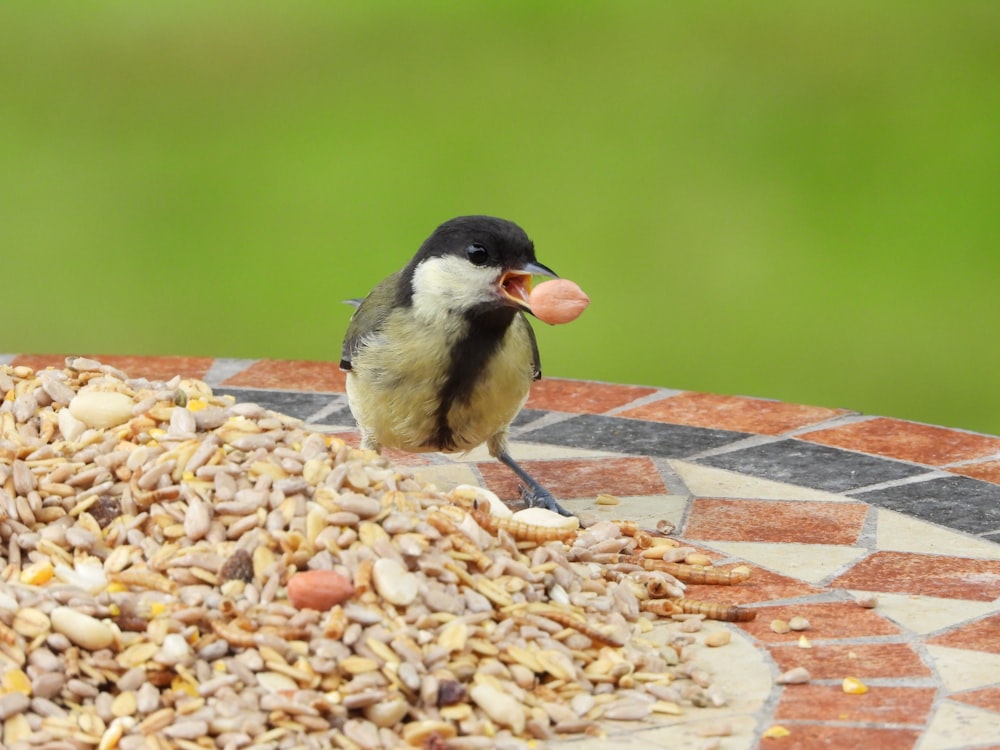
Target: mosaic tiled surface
column 823, row 504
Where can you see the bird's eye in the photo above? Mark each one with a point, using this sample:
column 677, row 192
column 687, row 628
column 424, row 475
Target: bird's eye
column 477, row 255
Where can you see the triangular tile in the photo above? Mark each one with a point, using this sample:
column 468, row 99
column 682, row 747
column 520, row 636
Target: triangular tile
column 447, row 476
column 955, row 725
column 961, row 669
column 705, row 481
column 902, row 533
column 925, row 614
column 646, row 510
column 532, row 451
column 806, row 562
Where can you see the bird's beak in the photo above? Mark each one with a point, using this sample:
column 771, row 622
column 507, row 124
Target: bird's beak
column 515, row 284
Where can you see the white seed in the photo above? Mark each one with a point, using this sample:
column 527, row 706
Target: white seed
column 362, row 505
column 275, row 682
column 101, row 409
column 794, row 676
column 176, row 650
column 633, row 710
column 31, row 622
column 718, row 638
column 13, row 703
column 798, row 623
column 502, row 708
column 387, row 713
column 547, row 518
column 197, row 519
column 394, row 583
column 82, row 629
column 24, row 479
column 466, row 494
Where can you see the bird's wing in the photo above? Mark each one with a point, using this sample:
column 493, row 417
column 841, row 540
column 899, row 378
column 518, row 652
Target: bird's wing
column 536, row 361
column 368, row 318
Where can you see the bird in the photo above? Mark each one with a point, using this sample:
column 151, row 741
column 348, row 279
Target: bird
column 440, row 356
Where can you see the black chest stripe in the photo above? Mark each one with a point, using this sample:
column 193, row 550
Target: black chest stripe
column 469, row 358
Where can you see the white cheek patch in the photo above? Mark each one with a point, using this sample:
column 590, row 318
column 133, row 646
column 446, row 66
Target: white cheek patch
column 451, row 284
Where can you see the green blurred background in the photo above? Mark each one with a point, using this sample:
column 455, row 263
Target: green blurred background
column 796, row 200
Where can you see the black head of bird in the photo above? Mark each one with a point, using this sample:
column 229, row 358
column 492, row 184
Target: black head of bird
column 440, row 356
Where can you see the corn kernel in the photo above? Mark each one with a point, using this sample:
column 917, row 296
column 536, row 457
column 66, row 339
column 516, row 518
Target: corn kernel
column 196, row 404
column 854, row 686
column 775, row 732
column 181, row 684
column 37, row 573
column 16, row 681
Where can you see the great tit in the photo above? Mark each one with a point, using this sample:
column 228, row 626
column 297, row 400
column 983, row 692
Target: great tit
column 440, row 356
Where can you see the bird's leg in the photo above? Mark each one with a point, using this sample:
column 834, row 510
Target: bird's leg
column 533, row 493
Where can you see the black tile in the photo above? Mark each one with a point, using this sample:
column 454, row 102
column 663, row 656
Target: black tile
column 960, row 503
column 811, row 465
column 527, row 416
column 633, row 436
column 293, row 403
column 341, row 416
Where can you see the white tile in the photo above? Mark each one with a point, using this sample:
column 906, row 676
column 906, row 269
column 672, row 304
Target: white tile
column 956, row 725
column 807, row 562
column 962, row 669
column 646, row 510
column 705, row 481
column 746, row 697
column 901, row 533
column 925, row 614
column 446, row 476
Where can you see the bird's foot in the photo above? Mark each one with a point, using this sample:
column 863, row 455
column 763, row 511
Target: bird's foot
column 541, row 498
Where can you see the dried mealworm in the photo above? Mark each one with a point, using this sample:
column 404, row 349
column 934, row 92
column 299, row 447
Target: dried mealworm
column 232, row 634
column 144, row 579
column 716, row 611
column 363, row 576
column 523, row 532
column 662, row 607
column 687, row 573
column 570, row 620
column 459, row 540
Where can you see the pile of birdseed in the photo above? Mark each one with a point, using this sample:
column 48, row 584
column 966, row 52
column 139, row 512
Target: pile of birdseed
column 147, row 534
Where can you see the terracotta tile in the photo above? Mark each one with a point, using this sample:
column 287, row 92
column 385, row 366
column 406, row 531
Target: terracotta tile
column 738, row 413
column 981, row 635
column 907, row 441
column 828, row 620
column 297, row 375
column 825, row 737
column 881, row 705
column 153, row 368
column 829, row 661
column 776, row 521
column 579, row 477
column 582, row 396
column 929, row 575
column 988, row 471
column 988, row 698
column 762, row 586
column 40, row 361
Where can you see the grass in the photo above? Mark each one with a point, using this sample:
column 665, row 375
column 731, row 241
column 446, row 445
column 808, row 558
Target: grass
column 789, row 200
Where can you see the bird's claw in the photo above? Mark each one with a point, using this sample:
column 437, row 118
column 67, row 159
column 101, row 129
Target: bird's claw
column 542, row 498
